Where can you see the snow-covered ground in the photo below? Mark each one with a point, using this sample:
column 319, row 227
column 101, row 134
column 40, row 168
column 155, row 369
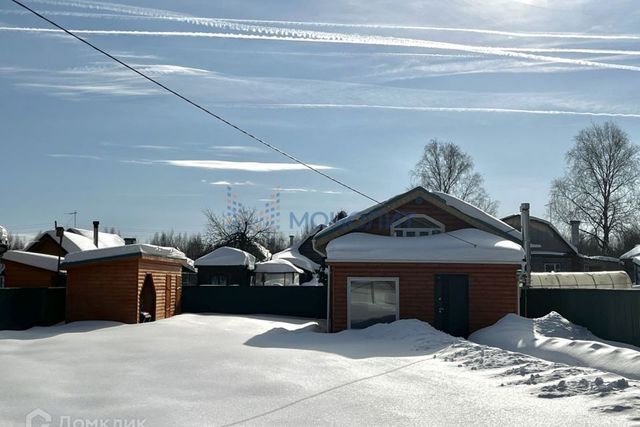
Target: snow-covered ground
column 229, row 370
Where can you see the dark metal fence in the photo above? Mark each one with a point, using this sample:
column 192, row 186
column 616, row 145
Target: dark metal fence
column 611, row 314
column 23, row 308
column 301, row 301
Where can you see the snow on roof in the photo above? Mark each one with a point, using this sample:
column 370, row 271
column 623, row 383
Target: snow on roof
column 73, row 242
column 468, row 245
column 226, row 256
column 277, row 266
column 632, row 253
column 105, row 240
column 550, row 225
column 122, row 251
column 294, row 256
column 477, row 213
column 264, row 251
column 43, row 261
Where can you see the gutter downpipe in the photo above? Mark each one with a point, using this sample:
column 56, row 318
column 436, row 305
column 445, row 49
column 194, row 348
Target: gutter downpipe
column 526, row 240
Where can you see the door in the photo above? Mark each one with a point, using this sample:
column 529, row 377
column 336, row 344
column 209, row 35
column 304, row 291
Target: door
column 452, row 304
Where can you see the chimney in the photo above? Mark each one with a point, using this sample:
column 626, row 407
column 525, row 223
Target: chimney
column 575, row 232
column 95, row 233
column 130, row 240
column 526, row 241
column 291, row 240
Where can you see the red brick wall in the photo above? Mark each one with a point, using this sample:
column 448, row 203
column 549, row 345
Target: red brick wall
column 18, row 275
column 493, row 290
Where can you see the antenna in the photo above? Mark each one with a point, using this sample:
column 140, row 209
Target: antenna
column 75, row 215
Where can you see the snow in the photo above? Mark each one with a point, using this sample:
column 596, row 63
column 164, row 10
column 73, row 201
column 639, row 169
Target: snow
column 193, row 370
column 105, row 240
column 4, row 236
column 277, row 266
column 633, row 253
column 461, row 246
column 121, row 251
column 294, row 256
column 554, row 338
column 226, row 256
column 474, row 212
column 43, row 261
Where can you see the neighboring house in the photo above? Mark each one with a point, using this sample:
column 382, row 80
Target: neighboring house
column 277, row 272
column 31, row 270
column 631, row 261
column 552, row 252
column 73, row 240
column 424, row 255
column 303, row 256
column 127, row 284
column 225, row 266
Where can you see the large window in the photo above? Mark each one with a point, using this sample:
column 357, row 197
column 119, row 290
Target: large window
column 416, row 225
column 371, row 301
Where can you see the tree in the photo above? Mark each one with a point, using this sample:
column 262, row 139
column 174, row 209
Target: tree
column 600, row 185
column 244, row 230
column 16, row 242
column 193, row 246
column 445, row 167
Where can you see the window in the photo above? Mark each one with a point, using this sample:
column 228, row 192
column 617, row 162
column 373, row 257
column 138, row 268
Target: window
column 371, row 301
column 415, row 225
column 552, row 267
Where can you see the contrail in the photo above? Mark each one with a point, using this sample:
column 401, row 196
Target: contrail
column 165, row 14
column 285, row 34
column 443, row 109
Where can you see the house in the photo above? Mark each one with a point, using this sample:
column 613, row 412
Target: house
column 303, row 256
column 631, row 262
column 225, row 266
column 127, row 284
column 73, row 240
column 552, row 252
column 277, row 272
column 31, row 270
column 424, row 255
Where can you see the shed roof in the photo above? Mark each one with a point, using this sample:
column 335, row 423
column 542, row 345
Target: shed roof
column 105, row 254
column 43, row 261
column 466, row 246
column 277, row 266
column 226, row 256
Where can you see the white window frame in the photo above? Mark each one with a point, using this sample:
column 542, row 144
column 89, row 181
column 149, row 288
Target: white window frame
column 418, row 230
column 556, row 264
column 351, row 279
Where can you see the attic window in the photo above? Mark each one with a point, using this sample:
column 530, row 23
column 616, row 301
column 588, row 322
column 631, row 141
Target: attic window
column 416, row 225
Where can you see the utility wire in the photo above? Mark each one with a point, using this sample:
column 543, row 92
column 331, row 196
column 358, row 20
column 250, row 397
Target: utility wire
column 207, row 111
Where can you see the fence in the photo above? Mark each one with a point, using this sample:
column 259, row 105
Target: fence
column 301, row 301
column 608, row 313
column 23, row 308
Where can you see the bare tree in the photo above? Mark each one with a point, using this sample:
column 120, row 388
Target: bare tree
column 600, row 185
column 244, row 230
column 445, row 167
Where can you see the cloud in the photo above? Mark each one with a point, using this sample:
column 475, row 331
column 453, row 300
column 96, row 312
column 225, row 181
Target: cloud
column 295, row 190
column 74, row 156
column 238, row 148
column 155, row 147
column 235, row 183
column 242, row 166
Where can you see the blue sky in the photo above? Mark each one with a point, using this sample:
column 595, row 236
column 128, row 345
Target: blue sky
column 355, row 86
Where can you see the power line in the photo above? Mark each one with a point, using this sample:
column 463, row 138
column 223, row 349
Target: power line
column 195, row 104
column 207, row 111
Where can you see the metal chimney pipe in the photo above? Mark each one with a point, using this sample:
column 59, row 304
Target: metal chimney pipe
column 96, row 224
column 575, row 232
column 526, row 241
column 291, row 240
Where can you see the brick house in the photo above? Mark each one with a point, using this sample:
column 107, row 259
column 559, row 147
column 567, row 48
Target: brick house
column 424, row 255
column 120, row 283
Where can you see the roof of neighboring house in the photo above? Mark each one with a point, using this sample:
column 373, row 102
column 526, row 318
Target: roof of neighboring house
column 468, row 245
column 632, row 253
column 277, row 266
column 470, row 214
column 226, row 256
column 293, row 254
column 105, row 254
column 43, row 261
column 105, row 240
column 548, row 224
column 71, row 242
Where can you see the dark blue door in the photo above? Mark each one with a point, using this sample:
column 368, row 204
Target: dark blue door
column 452, row 304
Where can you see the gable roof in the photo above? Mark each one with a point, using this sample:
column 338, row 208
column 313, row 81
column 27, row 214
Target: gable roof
column 464, row 211
column 105, row 240
column 548, row 224
column 226, row 256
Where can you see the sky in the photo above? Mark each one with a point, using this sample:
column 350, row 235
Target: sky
column 356, row 88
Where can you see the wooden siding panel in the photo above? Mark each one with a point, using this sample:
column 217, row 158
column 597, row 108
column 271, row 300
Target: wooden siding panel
column 493, row 289
column 17, row 275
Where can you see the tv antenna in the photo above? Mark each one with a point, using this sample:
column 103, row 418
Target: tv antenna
column 75, row 215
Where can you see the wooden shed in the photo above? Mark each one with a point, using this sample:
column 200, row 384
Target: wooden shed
column 31, row 270
column 423, row 255
column 120, row 283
